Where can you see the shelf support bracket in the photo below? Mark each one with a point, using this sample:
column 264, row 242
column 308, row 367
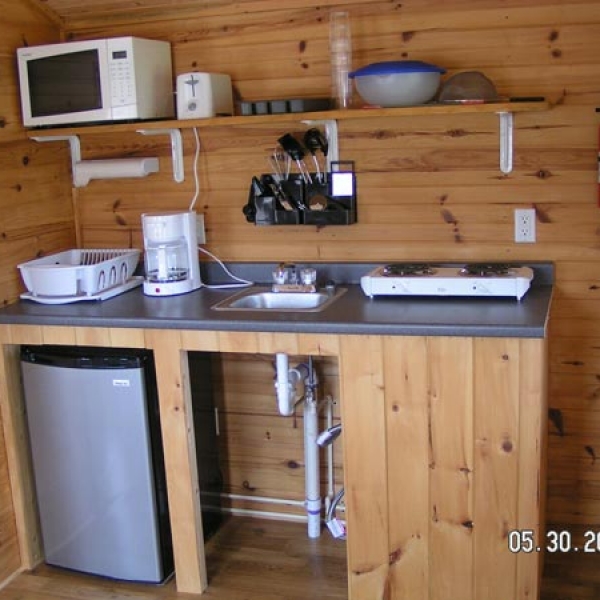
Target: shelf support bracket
column 506, row 141
column 331, row 133
column 176, row 149
column 74, row 144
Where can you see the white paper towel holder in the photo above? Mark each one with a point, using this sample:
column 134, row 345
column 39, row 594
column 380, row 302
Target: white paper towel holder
column 85, row 170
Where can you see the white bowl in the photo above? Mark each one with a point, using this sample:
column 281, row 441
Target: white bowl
column 398, row 83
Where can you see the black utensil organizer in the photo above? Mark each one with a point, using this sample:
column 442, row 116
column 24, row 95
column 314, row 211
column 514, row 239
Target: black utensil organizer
column 319, row 199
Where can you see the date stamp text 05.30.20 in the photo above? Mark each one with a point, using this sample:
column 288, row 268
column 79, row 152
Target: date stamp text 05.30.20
column 525, row 540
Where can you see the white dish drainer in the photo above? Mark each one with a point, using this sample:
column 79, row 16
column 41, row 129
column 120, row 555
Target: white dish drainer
column 80, row 275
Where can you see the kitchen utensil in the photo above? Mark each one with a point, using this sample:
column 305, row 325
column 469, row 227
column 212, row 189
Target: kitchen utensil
column 398, row 83
column 78, row 273
column 468, row 87
column 171, row 252
column 280, row 158
column 314, row 140
column 273, row 183
column 296, row 151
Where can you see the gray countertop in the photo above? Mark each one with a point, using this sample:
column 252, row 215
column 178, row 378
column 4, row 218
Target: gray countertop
column 352, row 313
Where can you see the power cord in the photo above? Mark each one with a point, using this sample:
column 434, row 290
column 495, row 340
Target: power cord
column 195, row 166
column 240, row 282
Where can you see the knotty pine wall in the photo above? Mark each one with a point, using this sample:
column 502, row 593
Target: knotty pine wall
column 36, row 213
column 261, row 453
column 429, row 187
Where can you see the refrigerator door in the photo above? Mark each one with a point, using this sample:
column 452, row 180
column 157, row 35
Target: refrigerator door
column 93, row 470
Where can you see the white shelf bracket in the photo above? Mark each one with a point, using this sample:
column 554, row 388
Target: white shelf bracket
column 506, row 141
column 176, row 149
column 73, row 143
column 331, row 133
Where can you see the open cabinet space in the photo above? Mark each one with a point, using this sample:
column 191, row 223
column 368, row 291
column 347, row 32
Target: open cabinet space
column 251, row 470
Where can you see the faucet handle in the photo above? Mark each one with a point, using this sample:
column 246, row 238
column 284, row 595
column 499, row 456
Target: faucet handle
column 279, row 274
column 308, row 276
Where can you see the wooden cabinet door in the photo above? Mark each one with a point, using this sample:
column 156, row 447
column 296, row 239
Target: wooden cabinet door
column 443, row 459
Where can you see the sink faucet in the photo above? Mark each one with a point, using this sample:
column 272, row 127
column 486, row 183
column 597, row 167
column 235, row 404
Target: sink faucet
column 287, row 278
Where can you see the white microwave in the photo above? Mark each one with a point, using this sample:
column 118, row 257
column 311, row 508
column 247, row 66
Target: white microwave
column 95, row 81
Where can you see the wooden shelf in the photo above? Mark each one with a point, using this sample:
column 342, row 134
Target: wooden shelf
column 329, row 118
column 339, row 115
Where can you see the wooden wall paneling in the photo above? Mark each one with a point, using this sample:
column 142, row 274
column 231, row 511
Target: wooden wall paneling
column 23, row 334
column 96, row 13
column 246, row 382
column 33, row 198
column 451, row 534
column 127, row 337
column 386, row 224
column 21, row 538
column 116, row 14
column 299, row 40
column 206, row 341
column 464, row 433
column 262, row 456
column 407, row 409
column 35, row 208
column 533, row 458
column 93, row 336
column 180, row 458
column 429, row 187
column 13, row 252
column 497, row 398
column 262, row 452
column 22, row 25
column 60, row 335
column 273, row 343
column 366, row 464
column 234, row 341
column 9, row 553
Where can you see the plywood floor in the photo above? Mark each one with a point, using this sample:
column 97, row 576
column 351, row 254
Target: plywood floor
column 253, row 559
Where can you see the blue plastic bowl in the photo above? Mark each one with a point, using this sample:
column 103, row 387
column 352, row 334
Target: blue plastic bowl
column 398, row 83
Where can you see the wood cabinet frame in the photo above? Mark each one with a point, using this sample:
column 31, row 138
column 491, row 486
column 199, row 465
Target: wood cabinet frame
column 443, row 453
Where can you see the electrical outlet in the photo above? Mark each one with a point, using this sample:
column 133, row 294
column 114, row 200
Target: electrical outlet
column 525, row 225
column 200, row 231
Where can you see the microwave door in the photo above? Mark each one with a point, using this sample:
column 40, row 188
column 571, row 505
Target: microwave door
column 68, row 87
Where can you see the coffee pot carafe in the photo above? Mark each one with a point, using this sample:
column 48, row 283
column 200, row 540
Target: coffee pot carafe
column 170, row 253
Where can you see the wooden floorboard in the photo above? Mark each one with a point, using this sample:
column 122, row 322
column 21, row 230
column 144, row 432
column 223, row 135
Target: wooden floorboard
column 247, row 559
column 256, row 559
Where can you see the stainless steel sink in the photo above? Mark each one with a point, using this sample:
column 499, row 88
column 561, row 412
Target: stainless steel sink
column 263, row 299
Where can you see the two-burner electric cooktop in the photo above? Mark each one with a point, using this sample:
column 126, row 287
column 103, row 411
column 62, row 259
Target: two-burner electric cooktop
column 425, row 279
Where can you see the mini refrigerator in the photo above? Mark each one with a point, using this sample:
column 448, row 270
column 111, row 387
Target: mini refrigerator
column 96, row 449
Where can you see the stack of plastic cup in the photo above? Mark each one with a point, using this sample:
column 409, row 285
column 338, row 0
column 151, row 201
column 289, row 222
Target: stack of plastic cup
column 340, row 48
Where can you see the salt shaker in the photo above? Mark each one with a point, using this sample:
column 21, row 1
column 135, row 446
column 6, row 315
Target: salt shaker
column 340, row 49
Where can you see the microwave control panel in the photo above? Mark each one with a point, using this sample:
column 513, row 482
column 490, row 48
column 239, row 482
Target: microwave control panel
column 122, row 77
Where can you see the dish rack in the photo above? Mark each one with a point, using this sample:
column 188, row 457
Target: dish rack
column 79, row 273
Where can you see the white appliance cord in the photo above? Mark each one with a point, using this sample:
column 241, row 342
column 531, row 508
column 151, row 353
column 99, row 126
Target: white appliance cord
column 195, row 167
column 240, row 282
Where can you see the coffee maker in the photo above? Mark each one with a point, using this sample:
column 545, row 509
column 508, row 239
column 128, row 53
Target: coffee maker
column 170, row 253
